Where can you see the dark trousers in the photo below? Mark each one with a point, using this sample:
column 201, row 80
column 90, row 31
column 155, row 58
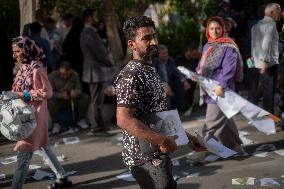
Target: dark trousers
column 155, row 175
column 264, row 85
column 96, row 105
column 56, row 105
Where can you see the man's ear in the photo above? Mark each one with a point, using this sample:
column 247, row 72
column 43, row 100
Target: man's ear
column 131, row 45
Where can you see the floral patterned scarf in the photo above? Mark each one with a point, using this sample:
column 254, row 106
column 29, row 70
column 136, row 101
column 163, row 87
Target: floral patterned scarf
column 210, row 56
column 33, row 56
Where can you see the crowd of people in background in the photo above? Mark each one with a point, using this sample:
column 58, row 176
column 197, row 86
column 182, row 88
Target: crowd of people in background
column 79, row 64
column 82, row 72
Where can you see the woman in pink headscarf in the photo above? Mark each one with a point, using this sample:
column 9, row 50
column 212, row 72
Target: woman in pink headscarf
column 31, row 84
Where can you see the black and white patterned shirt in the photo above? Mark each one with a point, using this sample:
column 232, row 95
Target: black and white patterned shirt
column 138, row 86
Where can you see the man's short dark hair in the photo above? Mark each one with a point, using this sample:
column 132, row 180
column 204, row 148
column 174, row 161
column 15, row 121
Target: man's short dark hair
column 65, row 64
column 50, row 20
column 35, row 28
column 130, row 26
column 68, row 16
column 87, row 13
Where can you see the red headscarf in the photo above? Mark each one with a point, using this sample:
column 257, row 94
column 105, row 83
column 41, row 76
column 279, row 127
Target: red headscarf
column 222, row 38
column 225, row 41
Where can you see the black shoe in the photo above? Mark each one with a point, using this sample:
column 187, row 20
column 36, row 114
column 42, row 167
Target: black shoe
column 61, row 183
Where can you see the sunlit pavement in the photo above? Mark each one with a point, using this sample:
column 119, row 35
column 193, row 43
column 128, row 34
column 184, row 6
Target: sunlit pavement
column 98, row 161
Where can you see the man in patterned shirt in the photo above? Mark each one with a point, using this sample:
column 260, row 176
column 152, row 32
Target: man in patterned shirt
column 140, row 92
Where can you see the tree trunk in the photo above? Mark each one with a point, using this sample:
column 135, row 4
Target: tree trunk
column 110, row 19
column 27, row 9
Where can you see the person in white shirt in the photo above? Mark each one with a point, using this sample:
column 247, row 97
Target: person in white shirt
column 265, row 54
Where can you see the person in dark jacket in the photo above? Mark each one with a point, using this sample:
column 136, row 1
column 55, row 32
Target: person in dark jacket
column 175, row 83
column 97, row 70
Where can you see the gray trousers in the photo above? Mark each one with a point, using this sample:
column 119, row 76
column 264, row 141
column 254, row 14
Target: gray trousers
column 264, row 85
column 24, row 160
column 219, row 127
column 95, row 114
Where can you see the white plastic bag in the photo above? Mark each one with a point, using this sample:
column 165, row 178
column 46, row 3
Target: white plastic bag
column 17, row 119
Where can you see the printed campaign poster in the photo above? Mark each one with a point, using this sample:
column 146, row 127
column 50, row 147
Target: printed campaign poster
column 167, row 123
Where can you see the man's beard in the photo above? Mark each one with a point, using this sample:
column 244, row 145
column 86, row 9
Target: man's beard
column 150, row 52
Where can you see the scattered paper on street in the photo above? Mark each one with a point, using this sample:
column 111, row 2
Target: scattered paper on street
column 244, row 133
column 260, row 154
column 196, row 157
column 2, row 176
column 193, row 175
column 34, row 166
column 246, row 141
column 215, row 147
column 280, row 152
column 244, row 181
column 38, row 152
column 175, row 162
column 61, row 158
column 9, row 160
column 127, row 176
column 119, row 137
column 266, row 147
column 69, row 173
column 40, row 175
column 269, row 182
column 185, row 173
column 218, row 149
column 71, row 140
column 211, row 158
column 176, row 177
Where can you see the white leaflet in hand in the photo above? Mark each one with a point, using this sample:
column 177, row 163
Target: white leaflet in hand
column 232, row 103
column 168, row 123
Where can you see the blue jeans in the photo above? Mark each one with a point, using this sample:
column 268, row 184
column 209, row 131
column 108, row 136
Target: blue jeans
column 24, row 160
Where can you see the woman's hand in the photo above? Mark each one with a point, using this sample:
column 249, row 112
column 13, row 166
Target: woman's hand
column 218, row 90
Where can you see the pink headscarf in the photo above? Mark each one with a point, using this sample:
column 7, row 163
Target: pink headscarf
column 33, row 56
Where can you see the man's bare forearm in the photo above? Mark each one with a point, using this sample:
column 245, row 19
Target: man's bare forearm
column 127, row 122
